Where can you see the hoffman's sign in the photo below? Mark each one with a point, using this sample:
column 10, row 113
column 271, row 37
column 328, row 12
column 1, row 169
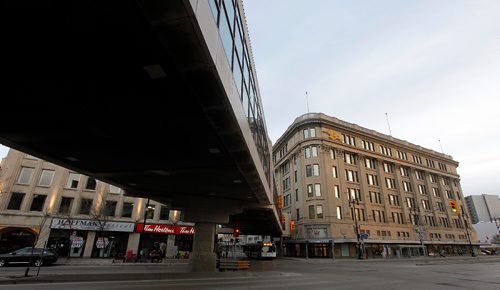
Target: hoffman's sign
column 165, row 229
column 91, row 225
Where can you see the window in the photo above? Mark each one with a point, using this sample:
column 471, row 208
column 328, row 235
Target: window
column 440, row 206
column 430, row 163
column 308, row 170
column 446, row 181
column 46, row 177
column 410, row 202
column 375, row 197
column 405, row 171
column 319, row 211
column 351, row 175
column 372, row 179
column 350, row 158
column 296, row 195
column 25, row 175
column 430, row 220
column 449, row 194
column 385, row 150
column 309, row 133
column 332, row 154
column 317, row 189
column 349, row 140
column 295, row 176
column 65, row 206
column 402, row 155
column 85, row 205
column 150, row 211
column 407, row 186
column 394, row 200
column 316, row 169
column 286, row 184
column 390, row 183
column 312, row 212
column 425, row 204
column 114, row 189
column 298, row 214
column 38, row 202
column 127, row 209
column 91, row 183
column 73, row 180
column 433, row 178
column 337, row 191
column 334, row 171
column 307, row 152
column 378, row 216
column 388, row 167
column 310, row 191
column 422, row 189
column 367, row 145
column 110, row 208
column 16, row 199
column 442, row 166
column 417, row 159
column 436, row 192
column 339, row 212
column 164, row 213
column 370, row 163
column 419, row 174
column 358, row 213
column 397, row 217
column 285, row 167
column 354, row 193
column 287, row 200
column 314, row 151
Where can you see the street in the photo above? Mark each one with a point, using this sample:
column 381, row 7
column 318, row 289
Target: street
column 433, row 273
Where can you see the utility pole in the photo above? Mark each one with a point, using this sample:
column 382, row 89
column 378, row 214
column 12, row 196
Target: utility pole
column 420, row 232
column 142, row 231
column 464, row 217
column 353, row 204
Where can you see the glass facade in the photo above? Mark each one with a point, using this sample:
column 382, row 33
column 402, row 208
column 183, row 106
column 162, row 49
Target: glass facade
column 230, row 23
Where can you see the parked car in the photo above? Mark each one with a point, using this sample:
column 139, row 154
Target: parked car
column 22, row 256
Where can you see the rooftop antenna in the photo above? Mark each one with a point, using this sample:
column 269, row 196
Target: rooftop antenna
column 388, row 125
column 307, row 101
column 439, row 140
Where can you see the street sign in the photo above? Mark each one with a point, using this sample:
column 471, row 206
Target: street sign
column 363, row 236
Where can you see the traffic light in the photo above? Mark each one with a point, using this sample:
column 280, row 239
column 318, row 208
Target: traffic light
column 292, row 225
column 454, row 206
column 283, row 218
column 236, row 232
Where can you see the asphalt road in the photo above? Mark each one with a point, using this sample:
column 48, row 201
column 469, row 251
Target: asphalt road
column 281, row 274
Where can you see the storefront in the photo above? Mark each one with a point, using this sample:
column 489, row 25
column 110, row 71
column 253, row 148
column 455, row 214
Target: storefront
column 172, row 240
column 12, row 239
column 89, row 238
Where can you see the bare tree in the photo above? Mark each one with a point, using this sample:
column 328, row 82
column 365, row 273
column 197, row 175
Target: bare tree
column 98, row 213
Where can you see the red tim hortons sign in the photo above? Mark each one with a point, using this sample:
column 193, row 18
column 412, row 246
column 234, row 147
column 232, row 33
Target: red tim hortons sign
column 165, row 229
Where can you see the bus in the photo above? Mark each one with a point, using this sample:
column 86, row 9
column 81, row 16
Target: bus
column 260, row 250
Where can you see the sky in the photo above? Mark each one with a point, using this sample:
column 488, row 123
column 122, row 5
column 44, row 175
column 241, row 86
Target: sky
column 432, row 66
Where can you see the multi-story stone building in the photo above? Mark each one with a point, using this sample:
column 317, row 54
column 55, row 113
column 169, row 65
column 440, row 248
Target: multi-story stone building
column 360, row 189
column 79, row 215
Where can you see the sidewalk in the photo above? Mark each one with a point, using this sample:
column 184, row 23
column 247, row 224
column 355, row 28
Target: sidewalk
column 105, row 261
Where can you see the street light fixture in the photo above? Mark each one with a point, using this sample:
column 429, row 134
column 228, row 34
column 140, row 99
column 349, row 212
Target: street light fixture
column 415, row 212
column 352, row 203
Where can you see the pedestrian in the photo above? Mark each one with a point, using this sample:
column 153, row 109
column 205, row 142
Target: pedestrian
column 441, row 253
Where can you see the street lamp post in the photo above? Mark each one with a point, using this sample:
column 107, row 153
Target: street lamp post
column 353, row 204
column 415, row 211
column 464, row 217
column 142, row 231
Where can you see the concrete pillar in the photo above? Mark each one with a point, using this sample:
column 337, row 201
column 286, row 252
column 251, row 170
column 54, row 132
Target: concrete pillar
column 89, row 243
column 203, row 258
column 170, row 246
column 43, row 236
column 133, row 242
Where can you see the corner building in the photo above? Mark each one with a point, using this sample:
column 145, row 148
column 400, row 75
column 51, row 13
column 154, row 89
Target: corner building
column 350, row 187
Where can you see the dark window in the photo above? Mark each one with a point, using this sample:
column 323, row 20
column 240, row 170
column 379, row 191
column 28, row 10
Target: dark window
column 65, row 206
column 38, row 202
column 91, row 183
column 110, row 208
column 85, row 205
column 15, row 200
column 127, row 209
column 164, row 213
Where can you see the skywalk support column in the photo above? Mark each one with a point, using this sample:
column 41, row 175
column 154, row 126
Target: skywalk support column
column 203, row 258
